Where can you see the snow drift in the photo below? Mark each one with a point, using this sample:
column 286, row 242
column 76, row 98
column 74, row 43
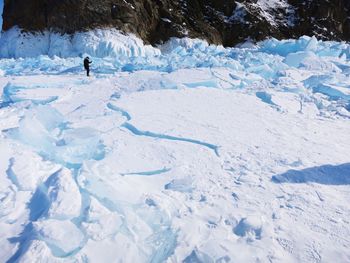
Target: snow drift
column 15, row 43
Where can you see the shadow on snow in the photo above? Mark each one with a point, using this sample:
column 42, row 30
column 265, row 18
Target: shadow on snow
column 325, row 174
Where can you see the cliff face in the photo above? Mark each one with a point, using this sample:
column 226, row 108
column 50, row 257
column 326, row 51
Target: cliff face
column 226, row 22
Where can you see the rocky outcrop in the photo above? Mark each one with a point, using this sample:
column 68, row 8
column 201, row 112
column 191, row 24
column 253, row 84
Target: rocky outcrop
column 226, row 22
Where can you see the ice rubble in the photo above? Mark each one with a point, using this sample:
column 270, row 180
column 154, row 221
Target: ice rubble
column 44, row 129
column 269, row 62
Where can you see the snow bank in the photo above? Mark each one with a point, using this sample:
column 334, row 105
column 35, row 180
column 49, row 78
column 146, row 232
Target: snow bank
column 15, row 43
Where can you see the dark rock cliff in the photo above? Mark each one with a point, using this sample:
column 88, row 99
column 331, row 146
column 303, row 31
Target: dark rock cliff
column 227, row 22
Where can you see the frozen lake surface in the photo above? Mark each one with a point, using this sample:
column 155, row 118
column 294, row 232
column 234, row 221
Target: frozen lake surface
column 186, row 153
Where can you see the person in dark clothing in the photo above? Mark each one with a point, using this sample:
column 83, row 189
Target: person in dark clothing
column 87, row 63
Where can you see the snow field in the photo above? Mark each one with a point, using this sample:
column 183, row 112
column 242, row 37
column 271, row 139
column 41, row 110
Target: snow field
column 195, row 153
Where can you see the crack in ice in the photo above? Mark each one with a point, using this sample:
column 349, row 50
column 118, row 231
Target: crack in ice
column 149, row 173
column 139, row 132
column 120, row 110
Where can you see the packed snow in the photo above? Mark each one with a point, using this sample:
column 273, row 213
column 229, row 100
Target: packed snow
column 186, row 152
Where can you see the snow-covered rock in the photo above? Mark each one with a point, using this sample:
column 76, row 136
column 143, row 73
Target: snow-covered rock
column 220, row 21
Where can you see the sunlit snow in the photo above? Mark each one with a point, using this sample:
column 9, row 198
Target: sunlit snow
column 187, row 152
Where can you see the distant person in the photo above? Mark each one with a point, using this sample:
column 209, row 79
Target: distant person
column 87, row 63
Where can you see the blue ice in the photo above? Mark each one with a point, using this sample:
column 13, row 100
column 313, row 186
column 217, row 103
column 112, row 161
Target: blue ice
column 265, row 60
column 10, row 95
column 268, row 60
column 45, row 129
column 265, row 97
column 323, row 84
column 180, row 185
column 332, row 93
column 149, row 173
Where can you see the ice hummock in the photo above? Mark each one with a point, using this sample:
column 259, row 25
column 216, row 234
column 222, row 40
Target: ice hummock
column 268, row 61
column 45, row 129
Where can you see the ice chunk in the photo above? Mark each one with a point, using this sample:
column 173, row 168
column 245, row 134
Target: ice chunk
column 44, row 129
column 105, row 227
column 33, row 132
column 263, row 70
column 210, row 251
column 97, row 210
column 117, row 249
column 30, row 170
column 296, row 59
column 8, row 201
column 38, row 249
column 250, row 227
column 265, row 97
column 13, row 93
column 49, row 117
column 181, row 44
column 64, row 196
column 62, row 237
column 180, row 185
column 78, row 145
column 102, row 223
column 284, row 47
column 332, row 92
column 197, row 256
column 312, row 45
